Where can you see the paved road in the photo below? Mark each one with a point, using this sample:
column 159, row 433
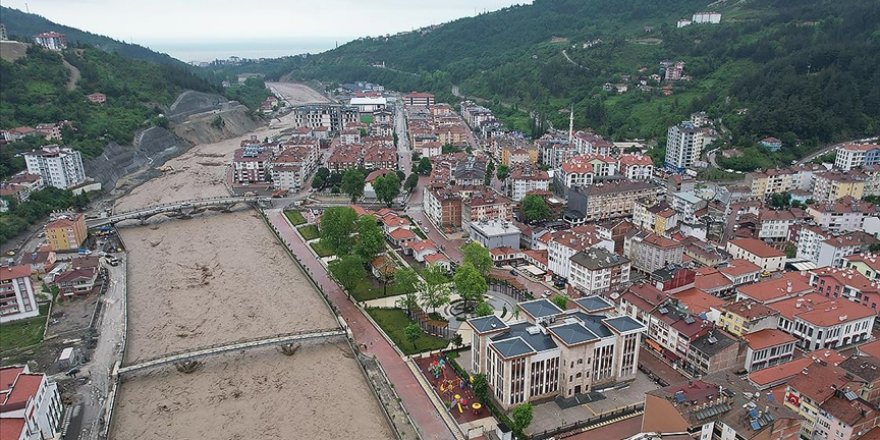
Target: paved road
column 404, row 160
column 415, row 400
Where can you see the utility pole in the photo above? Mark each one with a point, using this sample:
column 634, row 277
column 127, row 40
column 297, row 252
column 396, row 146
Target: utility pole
column 571, row 125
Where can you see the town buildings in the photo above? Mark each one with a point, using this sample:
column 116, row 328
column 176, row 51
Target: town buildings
column 851, row 156
column 831, row 186
column 59, row 167
column 30, row 405
column 66, row 232
column 562, row 245
column 334, row 117
column 769, row 259
column 495, row 233
column 418, row 99
column 845, row 214
column 554, row 352
column 597, row 270
column 17, row 299
column 443, row 206
column 96, row 98
column 821, row 322
column 51, row 40
column 767, row 348
column 607, row 200
column 251, row 164
column 684, row 143
column 649, row 251
column 524, row 179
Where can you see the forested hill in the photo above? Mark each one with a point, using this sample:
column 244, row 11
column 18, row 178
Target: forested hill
column 805, row 71
column 23, row 26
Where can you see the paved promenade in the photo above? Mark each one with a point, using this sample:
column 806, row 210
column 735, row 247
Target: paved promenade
column 415, row 400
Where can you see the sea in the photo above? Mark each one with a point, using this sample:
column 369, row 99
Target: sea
column 254, row 49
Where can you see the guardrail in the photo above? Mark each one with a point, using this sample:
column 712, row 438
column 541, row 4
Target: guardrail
column 216, row 349
column 166, row 207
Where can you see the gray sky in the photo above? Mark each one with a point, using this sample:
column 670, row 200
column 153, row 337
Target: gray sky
column 191, row 23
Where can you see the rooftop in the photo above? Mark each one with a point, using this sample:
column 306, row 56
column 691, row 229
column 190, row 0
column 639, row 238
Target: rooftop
column 767, row 338
column 598, row 258
column 757, row 248
column 540, row 308
column 750, row 309
column 594, row 303
column 775, row 289
column 487, row 324
column 513, row 347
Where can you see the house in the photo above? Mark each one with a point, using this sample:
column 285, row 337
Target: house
column 30, row 405
column 97, row 98
column 66, row 232
column 597, row 270
column 769, row 259
column 771, row 290
column 716, row 407
column 806, row 393
column 767, row 348
column 635, row 166
column 562, row 245
column 51, row 40
column 419, row 249
column 843, row 215
column 846, row 283
column 17, row 299
column 77, row 281
column 402, row 236
column 866, row 370
column 524, row 179
column 866, row 264
column 369, row 189
column 505, row 255
column 554, row 352
column 41, row 260
column 383, row 267
column 438, row 259
column 712, row 352
column 771, row 143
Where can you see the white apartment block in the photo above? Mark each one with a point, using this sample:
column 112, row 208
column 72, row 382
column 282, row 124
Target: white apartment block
column 564, row 244
column 60, row 167
column 554, row 352
column 684, row 143
column 597, row 271
column 706, row 17
column 850, row 156
column 524, row 179
column 17, row 299
column 769, row 259
column 30, row 405
column 820, row 323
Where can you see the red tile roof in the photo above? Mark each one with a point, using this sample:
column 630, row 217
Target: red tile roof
column 757, row 248
column 13, row 272
column 435, row 258
column 818, row 381
column 779, row 373
column 767, row 338
column 24, row 388
column 421, row 245
column 14, row 427
column 402, row 234
column 698, row 301
column 871, row 348
column 739, row 267
column 750, row 309
column 768, row 291
column 821, row 311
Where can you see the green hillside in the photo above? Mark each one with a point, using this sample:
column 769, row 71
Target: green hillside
column 806, row 72
column 23, row 26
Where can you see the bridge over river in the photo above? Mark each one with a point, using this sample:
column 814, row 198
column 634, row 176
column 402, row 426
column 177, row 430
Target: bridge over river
column 182, row 209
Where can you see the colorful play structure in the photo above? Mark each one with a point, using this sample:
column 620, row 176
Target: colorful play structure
column 451, row 388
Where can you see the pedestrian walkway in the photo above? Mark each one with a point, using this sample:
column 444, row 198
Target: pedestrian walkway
column 415, row 399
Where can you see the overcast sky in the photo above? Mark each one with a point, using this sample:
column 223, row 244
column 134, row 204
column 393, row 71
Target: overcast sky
column 178, row 23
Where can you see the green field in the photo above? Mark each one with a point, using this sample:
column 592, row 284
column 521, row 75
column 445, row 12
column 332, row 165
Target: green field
column 295, row 217
column 18, row 334
column 393, row 321
column 309, row 232
column 321, row 249
column 371, row 288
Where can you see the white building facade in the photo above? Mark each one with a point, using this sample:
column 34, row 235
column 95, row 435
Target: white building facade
column 60, row 167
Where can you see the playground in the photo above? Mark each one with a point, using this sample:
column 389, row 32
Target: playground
column 455, row 392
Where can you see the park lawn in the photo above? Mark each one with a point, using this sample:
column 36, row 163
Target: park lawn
column 370, row 288
column 321, row 249
column 18, row 334
column 309, row 232
column 296, row 218
column 393, row 321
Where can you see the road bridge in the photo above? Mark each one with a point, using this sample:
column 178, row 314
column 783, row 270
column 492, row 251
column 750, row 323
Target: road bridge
column 188, row 356
column 182, row 209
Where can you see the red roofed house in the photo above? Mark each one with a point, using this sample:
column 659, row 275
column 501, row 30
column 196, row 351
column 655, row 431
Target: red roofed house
column 867, row 264
column 834, row 282
column 767, row 348
column 776, row 289
column 420, row 249
column 820, row 322
column 401, row 236
column 756, row 251
column 79, row 281
column 30, row 406
column 438, row 259
column 17, row 299
column 97, row 98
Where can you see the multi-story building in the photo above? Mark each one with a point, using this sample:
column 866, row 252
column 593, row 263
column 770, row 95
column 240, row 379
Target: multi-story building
column 17, row 299
column 635, row 166
column 51, row 40
column 845, row 214
column 554, row 352
column 30, row 405
column 251, row 165
column 684, row 143
column 717, row 408
column 583, row 170
column 60, row 167
column 687, row 204
column 443, row 206
column 297, row 161
column 776, row 226
column 486, row 204
column 846, row 283
column 66, row 232
column 713, row 352
column 334, row 117
column 747, row 316
column 524, row 179
column 806, row 393
column 707, row 17
column 831, row 186
column 418, row 99
column 596, row 270
column 657, row 217
column 821, row 322
column 767, row 348
column 768, row 258
column 562, row 245
column 649, row 251
column 778, row 180
column 851, row 156
column 771, row 290
column 867, row 264
column 495, row 233
column 607, row 200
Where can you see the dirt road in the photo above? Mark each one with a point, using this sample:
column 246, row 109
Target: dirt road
column 297, row 94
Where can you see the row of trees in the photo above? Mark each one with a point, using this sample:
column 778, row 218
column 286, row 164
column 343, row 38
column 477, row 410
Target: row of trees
column 353, row 182
column 37, row 207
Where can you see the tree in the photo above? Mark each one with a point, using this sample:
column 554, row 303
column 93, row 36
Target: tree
column 521, row 416
column 387, row 187
column 317, row 182
column 434, row 291
column 534, row 208
column 407, row 281
column 370, row 239
column 484, row 309
column 408, row 302
column 470, row 284
column 561, row 301
column 425, row 166
column 353, row 183
column 348, row 270
column 411, row 182
column 502, row 172
column 481, row 387
column 413, row 332
column 779, row 200
column 457, row 340
column 478, row 256
column 337, row 225
column 490, row 170
column 322, row 177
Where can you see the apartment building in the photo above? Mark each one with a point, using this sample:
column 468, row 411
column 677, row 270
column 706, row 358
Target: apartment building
column 846, row 283
column 66, row 232
column 831, row 186
column 251, row 165
column 779, row 180
column 768, row 258
column 652, row 216
column 767, row 348
column 524, row 179
column 649, row 251
column 333, row 117
column 867, row 264
column 562, row 245
column 607, row 200
column 554, row 352
column 845, row 214
column 684, row 144
column 59, row 167
column 635, row 166
column 419, row 99
column 583, row 170
column 771, row 290
column 51, row 40
column 745, row 316
column 807, row 393
column 776, row 226
column 687, row 204
column 30, row 405
column 851, row 156
column 597, row 270
column 495, row 233
column 821, row 322
column 443, row 206
column 17, row 299
column 486, row 204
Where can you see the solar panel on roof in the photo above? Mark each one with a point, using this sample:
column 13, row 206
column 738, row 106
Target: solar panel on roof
column 753, row 413
column 663, row 310
column 771, row 397
column 689, row 320
column 755, row 425
column 850, row 395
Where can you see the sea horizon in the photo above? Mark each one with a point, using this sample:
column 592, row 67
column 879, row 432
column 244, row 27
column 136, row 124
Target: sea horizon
column 255, row 49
